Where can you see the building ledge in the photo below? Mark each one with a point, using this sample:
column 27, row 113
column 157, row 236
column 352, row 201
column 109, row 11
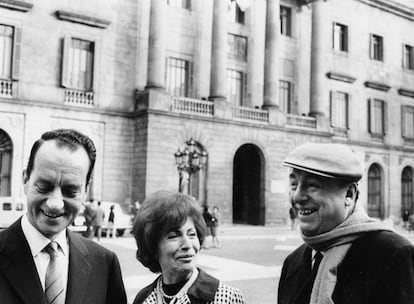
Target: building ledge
column 82, row 19
column 341, row 77
column 405, row 92
column 377, row 86
column 16, row 5
column 392, row 7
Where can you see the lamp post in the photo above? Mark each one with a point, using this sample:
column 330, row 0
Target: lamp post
column 188, row 162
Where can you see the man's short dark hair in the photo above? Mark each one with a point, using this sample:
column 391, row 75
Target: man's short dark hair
column 65, row 138
column 160, row 213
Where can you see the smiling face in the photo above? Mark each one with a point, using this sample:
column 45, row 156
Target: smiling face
column 322, row 203
column 56, row 187
column 177, row 252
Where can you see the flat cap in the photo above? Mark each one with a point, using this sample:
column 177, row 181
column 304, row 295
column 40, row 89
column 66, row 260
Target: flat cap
column 329, row 160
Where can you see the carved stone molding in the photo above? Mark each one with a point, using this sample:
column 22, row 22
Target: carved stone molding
column 405, row 92
column 377, row 86
column 83, row 19
column 16, row 5
column 341, row 77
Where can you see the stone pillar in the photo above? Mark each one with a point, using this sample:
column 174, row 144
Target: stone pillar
column 218, row 71
column 319, row 102
column 271, row 67
column 156, row 47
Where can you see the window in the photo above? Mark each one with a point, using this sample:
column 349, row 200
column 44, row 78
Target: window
column 180, row 3
column 407, row 190
column 235, row 13
column 6, row 152
column 235, row 87
column 285, row 96
column 407, row 121
column 78, row 64
column 340, row 37
column 377, row 115
column 339, row 110
column 375, row 200
column 376, row 47
column 178, row 77
column 285, row 21
column 6, row 51
column 408, row 57
column 237, row 47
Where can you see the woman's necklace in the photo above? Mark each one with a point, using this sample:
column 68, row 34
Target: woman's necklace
column 162, row 296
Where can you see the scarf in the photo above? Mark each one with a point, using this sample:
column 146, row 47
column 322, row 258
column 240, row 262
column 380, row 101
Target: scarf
column 335, row 244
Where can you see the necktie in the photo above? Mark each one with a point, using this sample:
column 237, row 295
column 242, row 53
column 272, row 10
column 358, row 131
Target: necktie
column 54, row 285
column 317, row 260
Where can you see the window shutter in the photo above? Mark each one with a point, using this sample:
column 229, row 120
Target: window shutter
column 371, row 46
column 191, row 89
column 403, row 124
column 331, row 113
column 17, row 41
column 385, row 117
column 333, row 36
column 404, row 64
column 347, row 111
column 244, row 83
column 370, row 113
column 65, row 61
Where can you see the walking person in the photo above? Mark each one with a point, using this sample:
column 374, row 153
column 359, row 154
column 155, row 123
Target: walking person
column 41, row 261
column 111, row 223
column 98, row 221
column 347, row 257
column 89, row 214
column 207, row 220
column 169, row 230
column 215, row 222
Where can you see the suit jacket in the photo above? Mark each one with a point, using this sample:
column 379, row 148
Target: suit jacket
column 94, row 272
column 377, row 269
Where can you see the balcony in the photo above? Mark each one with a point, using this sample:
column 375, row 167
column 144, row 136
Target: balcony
column 192, row 106
column 79, row 98
column 250, row 114
column 6, row 88
column 301, row 122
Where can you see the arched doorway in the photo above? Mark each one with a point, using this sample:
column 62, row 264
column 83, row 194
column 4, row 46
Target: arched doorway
column 407, row 190
column 6, row 153
column 375, row 195
column 248, row 189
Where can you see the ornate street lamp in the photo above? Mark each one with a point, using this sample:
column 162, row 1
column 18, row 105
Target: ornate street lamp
column 188, row 162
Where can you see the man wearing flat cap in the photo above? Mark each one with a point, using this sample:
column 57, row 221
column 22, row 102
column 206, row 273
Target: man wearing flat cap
column 347, row 257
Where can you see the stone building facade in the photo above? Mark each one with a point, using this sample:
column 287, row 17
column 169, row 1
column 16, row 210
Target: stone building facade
column 247, row 80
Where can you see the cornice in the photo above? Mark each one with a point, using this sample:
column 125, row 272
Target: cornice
column 16, row 5
column 83, row 19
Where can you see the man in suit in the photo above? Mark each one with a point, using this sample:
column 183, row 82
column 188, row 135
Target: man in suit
column 76, row 270
column 347, row 257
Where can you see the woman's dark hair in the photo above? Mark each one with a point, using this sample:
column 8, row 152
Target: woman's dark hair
column 160, row 213
column 65, row 138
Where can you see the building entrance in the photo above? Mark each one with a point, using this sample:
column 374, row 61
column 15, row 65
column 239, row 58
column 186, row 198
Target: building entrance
column 248, row 189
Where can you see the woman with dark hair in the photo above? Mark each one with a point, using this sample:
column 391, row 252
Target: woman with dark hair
column 169, row 229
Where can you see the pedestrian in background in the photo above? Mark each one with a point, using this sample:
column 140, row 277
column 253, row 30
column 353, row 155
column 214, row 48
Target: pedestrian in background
column 98, row 221
column 347, row 257
column 215, row 223
column 169, row 230
column 207, row 219
column 405, row 216
column 41, row 261
column 111, row 223
column 89, row 214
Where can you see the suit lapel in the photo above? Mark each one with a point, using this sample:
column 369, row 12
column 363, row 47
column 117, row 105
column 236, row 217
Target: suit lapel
column 18, row 267
column 79, row 270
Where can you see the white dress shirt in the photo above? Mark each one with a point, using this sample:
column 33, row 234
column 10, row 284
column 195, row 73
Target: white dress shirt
column 37, row 242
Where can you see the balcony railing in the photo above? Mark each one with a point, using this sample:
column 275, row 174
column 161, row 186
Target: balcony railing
column 6, row 88
column 79, row 98
column 250, row 114
column 296, row 121
column 192, row 106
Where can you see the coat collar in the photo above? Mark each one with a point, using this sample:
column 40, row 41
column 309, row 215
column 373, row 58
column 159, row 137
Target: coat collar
column 17, row 265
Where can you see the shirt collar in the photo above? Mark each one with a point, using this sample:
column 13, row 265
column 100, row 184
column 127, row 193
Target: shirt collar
column 38, row 241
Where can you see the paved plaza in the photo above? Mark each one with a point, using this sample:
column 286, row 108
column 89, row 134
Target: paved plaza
column 250, row 259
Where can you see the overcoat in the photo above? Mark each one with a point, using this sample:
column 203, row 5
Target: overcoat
column 94, row 272
column 377, row 269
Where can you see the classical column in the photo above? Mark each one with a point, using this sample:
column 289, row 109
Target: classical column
column 156, row 47
column 319, row 102
column 219, row 51
column 271, row 68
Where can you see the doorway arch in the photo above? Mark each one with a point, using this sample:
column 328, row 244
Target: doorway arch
column 248, row 186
